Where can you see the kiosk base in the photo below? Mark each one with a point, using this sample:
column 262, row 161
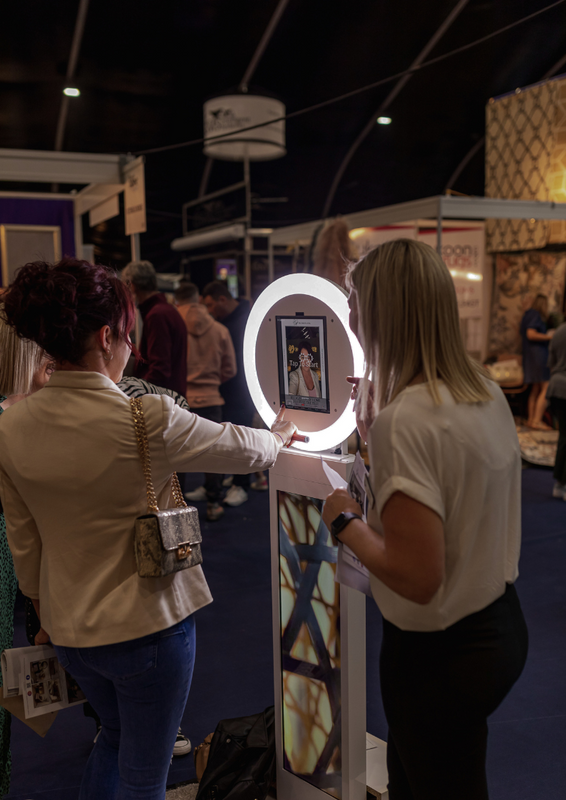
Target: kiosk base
column 376, row 767
column 319, row 641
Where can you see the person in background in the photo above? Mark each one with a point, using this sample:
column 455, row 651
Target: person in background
column 238, row 405
column 136, row 387
column 163, row 345
column 333, row 251
column 71, row 502
column 443, row 531
column 535, row 334
column 556, row 393
column 24, row 369
column 211, row 361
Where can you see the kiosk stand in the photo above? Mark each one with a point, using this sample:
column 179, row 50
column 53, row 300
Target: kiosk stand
column 298, row 349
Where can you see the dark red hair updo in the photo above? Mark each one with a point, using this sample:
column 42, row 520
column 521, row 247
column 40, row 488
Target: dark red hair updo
column 61, row 305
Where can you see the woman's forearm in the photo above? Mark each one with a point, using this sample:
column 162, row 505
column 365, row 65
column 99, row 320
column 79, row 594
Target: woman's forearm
column 409, row 557
column 403, row 576
column 536, row 336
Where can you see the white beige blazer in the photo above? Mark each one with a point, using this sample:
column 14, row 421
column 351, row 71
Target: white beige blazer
column 71, row 483
column 297, row 383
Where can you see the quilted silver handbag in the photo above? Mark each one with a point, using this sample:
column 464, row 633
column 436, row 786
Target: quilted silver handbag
column 165, row 541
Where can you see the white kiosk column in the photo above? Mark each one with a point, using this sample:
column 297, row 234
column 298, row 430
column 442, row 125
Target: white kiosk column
column 298, row 349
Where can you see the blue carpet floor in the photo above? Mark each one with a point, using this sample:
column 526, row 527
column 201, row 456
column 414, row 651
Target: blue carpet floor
column 233, row 672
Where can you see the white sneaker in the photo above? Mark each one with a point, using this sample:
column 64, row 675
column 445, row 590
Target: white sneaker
column 227, row 482
column 559, row 490
column 235, row 496
column 182, row 745
column 197, row 494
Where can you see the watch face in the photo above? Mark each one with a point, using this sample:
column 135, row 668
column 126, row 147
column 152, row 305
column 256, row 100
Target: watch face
column 338, row 523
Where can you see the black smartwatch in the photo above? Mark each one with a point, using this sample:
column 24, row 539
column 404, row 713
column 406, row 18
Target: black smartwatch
column 337, row 525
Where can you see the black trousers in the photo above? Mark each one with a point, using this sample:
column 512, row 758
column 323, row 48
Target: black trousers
column 558, row 406
column 438, row 690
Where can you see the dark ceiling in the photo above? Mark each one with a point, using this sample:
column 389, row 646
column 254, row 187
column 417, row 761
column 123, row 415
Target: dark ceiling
column 145, row 68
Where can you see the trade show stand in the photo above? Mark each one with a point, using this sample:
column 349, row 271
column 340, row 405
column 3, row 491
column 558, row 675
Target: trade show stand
column 48, row 225
column 455, row 226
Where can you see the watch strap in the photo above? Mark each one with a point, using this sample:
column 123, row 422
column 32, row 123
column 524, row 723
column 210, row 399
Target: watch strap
column 337, row 525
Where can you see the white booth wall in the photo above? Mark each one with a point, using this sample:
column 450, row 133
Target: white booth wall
column 463, row 251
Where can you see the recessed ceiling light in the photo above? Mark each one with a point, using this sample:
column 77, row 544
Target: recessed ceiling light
column 384, row 120
column 71, row 92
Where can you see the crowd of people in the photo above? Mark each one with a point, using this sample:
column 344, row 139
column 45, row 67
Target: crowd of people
column 195, row 348
column 441, row 541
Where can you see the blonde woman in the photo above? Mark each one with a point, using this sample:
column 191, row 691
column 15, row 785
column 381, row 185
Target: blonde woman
column 23, row 370
column 443, row 534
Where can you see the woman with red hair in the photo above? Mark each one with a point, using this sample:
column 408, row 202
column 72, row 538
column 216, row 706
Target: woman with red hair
column 71, row 500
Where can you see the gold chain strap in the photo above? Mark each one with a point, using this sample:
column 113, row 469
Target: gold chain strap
column 177, row 491
column 143, row 447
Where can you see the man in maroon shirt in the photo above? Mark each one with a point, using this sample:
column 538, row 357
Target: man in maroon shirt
column 163, row 345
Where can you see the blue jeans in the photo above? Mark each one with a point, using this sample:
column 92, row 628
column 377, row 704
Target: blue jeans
column 139, row 689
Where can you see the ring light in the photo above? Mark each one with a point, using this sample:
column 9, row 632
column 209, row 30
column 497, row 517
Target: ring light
column 336, row 299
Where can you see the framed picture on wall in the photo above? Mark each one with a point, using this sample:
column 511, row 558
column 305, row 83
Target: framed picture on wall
column 20, row 244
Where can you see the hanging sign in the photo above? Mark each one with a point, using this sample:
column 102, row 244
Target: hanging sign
column 134, row 197
column 106, row 210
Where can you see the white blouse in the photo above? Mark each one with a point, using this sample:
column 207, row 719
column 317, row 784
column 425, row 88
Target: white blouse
column 463, row 461
column 71, row 483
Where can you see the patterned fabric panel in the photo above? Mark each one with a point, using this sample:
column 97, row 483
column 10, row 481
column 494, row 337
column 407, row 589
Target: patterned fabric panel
column 525, row 159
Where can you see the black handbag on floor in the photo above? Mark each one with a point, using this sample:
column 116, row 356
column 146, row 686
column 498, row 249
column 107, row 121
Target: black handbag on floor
column 241, row 762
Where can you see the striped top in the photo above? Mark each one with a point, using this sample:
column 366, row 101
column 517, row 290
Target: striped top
column 137, row 387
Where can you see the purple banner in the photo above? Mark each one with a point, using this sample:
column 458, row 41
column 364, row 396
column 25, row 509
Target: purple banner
column 33, row 211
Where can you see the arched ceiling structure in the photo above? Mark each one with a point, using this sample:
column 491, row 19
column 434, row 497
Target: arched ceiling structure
column 145, row 68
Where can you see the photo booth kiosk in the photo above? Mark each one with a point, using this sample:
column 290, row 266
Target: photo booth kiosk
column 298, row 349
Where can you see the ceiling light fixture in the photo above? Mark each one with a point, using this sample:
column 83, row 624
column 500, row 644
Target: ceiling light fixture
column 71, row 92
column 384, row 120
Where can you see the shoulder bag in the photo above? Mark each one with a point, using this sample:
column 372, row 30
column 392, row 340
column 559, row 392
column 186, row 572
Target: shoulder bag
column 165, row 541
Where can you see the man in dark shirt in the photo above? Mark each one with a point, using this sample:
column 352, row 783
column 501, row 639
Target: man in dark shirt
column 239, row 407
column 163, row 345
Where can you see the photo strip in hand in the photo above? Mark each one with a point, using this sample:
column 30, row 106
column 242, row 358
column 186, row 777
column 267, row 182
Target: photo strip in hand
column 303, row 363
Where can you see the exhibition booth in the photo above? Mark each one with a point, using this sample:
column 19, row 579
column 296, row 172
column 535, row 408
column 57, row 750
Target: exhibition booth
column 48, row 225
column 456, row 227
column 497, row 253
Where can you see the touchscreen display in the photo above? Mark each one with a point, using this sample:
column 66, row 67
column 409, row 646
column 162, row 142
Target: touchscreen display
column 303, row 363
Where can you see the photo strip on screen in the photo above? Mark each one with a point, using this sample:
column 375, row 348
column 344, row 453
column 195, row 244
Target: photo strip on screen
column 303, row 363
